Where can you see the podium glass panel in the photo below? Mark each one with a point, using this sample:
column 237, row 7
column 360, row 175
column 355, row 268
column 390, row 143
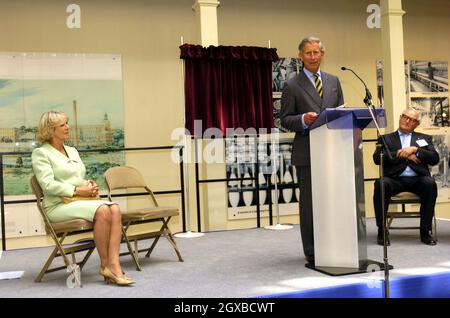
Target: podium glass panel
column 337, row 174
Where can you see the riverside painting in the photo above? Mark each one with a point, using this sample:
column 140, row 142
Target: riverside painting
column 94, row 106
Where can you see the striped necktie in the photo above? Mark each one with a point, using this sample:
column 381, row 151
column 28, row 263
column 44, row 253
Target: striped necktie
column 318, row 84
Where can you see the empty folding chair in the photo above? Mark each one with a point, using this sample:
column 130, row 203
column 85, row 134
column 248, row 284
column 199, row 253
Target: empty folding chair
column 125, row 178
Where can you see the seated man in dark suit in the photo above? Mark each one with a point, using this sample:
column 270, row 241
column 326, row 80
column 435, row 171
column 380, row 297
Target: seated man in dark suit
column 408, row 170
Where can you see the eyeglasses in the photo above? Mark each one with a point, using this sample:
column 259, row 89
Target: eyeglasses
column 312, row 53
column 407, row 118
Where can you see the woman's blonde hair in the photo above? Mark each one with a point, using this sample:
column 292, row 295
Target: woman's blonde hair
column 49, row 120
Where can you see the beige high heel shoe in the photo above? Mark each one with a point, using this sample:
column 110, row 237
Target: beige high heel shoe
column 111, row 278
column 100, row 271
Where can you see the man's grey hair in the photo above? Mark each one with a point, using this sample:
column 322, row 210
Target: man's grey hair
column 413, row 110
column 311, row 40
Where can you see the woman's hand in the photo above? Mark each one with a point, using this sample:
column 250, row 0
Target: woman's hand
column 94, row 187
column 90, row 189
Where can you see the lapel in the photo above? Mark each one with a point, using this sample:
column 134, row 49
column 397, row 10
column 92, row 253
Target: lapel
column 327, row 89
column 59, row 154
column 309, row 88
column 414, row 138
column 397, row 143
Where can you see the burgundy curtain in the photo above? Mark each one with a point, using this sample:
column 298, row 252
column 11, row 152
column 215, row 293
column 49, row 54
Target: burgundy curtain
column 228, row 86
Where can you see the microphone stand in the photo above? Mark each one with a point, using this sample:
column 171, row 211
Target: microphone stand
column 371, row 107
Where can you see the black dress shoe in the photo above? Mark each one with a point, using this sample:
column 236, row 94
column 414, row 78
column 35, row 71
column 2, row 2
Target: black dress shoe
column 427, row 239
column 380, row 238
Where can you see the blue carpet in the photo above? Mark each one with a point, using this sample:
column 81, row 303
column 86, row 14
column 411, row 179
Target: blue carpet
column 423, row 286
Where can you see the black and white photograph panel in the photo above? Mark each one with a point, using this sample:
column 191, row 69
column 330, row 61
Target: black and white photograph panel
column 440, row 172
column 283, row 70
column 434, row 110
column 380, row 88
column 276, row 114
column 380, row 91
column 274, row 166
column 428, row 76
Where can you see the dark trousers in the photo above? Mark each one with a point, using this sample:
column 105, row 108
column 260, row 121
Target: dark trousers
column 424, row 186
column 306, row 213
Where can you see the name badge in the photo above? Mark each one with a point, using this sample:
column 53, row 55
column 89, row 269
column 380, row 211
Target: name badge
column 422, row 142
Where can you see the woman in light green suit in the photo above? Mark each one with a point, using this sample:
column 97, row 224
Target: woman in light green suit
column 61, row 173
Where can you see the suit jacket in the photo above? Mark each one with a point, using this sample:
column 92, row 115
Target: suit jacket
column 57, row 174
column 299, row 97
column 393, row 168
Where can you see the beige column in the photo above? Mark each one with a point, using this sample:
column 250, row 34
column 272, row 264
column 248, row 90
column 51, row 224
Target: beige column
column 212, row 207
column 393, row 60
column 206, row 12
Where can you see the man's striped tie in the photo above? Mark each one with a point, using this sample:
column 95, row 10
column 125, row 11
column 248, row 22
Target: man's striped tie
column 318, row 84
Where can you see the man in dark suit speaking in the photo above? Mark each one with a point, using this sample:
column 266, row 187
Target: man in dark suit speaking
column 408, row 170
column 304, row 96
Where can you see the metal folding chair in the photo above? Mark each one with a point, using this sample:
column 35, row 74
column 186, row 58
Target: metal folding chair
column 59, row 232
column 125, row 178
column 405, row 198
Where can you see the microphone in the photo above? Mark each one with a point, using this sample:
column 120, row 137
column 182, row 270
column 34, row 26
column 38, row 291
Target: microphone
column 368, row 98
